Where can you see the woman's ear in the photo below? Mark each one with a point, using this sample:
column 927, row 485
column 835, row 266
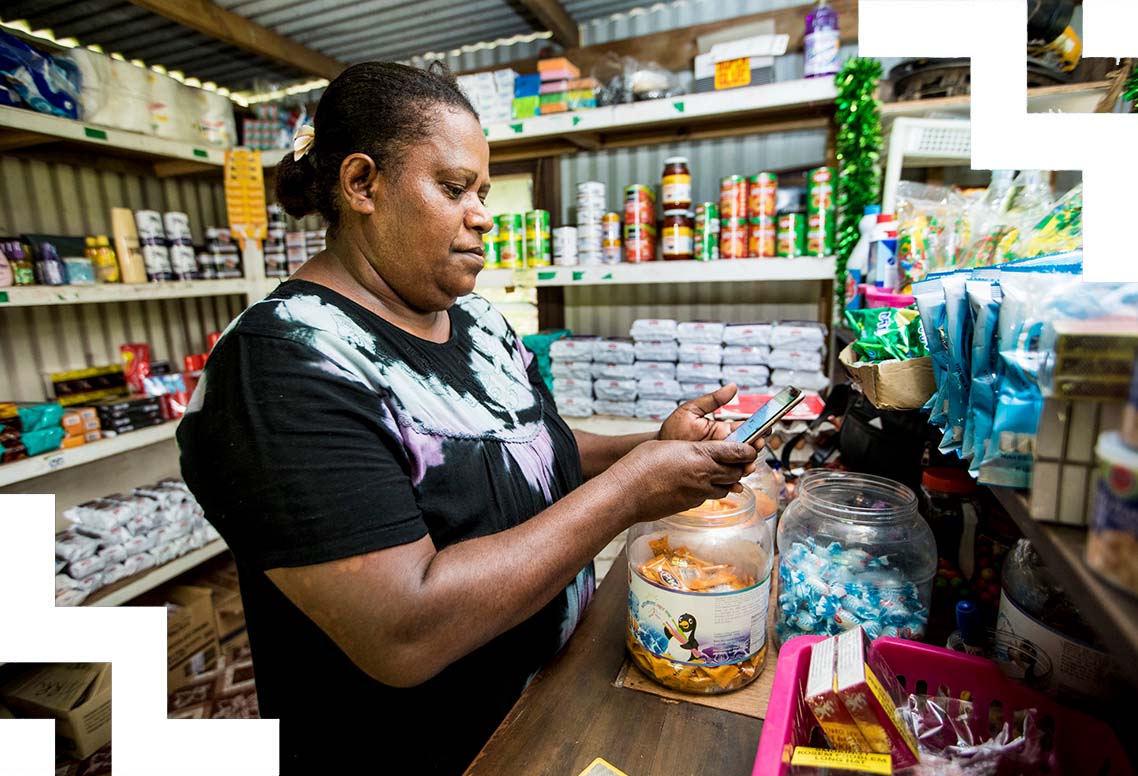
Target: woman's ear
column 359, row 183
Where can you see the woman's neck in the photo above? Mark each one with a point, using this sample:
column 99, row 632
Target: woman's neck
column 344, row 268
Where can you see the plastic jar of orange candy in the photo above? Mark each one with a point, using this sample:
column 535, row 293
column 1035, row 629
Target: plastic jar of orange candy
column 699, row 592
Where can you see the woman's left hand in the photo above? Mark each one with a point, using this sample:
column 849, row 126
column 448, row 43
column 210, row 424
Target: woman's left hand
column 688, row 421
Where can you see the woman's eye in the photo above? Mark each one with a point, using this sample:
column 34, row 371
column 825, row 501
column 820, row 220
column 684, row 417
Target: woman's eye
column 455, row 192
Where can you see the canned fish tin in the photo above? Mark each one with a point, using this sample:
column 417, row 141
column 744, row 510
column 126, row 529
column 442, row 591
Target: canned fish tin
column 733, row 198
column 707, row 211
column 639, row 243
column 791, row 234
column 490, row 248
column 762, row 196
column 565, row 246
column 611, row 254
column 639, row 205
column 509, row 240
column 761, row 238
column 537, row 249
column 820, row 190
column 591, row 189
column 820, row 231
column 733, row 238
column 707, row 242
column 610, row 230
column 590, row 238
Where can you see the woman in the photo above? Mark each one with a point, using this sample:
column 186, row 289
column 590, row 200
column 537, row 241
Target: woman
column 413, row 523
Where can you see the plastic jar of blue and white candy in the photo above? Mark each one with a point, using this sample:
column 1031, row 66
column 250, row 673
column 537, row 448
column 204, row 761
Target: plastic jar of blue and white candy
column 854, row 551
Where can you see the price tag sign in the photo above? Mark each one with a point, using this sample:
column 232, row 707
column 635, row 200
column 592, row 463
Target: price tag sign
column 245, row 193
column 733, row 73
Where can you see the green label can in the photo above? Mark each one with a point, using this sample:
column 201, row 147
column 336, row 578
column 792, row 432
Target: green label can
column 510, row 239
column 791, row 235
column 538, row 248
column 820, row 231
column 820, row 190
column 490, row 248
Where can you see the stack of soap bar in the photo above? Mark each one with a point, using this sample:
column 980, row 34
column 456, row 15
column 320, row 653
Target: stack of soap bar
column 557, row 69
column 527, row 100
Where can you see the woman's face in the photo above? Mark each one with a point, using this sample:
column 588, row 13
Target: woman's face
column 425, row 236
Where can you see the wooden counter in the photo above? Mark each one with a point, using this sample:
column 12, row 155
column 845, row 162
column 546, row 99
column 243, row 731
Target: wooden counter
column 572, row 714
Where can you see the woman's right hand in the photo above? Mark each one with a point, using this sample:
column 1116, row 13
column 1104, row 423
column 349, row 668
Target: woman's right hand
column 663, row 478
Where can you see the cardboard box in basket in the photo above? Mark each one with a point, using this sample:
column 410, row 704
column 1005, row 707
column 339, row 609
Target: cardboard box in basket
column 892, row 385
column 76, row 695
column 191, row 635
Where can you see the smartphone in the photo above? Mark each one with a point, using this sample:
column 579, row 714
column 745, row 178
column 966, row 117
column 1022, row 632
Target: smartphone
column 766, row 416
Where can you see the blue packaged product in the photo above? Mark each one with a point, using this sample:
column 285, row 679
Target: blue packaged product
column 1009, row 452
column 527, row 85
column 958, row 338
column 984, row 298
column 929, row 294
column 44, row 83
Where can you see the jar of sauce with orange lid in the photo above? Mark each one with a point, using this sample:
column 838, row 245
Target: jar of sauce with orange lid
column 678, row 236
column 676, row 188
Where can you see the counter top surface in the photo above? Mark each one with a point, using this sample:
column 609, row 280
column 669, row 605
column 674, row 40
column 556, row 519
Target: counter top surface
column 572, row 713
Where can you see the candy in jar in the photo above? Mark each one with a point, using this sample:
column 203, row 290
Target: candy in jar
column 854, row 551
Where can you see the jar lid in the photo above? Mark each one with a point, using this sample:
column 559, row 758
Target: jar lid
column 723, row 509
column 676, row 160
column 948, row 480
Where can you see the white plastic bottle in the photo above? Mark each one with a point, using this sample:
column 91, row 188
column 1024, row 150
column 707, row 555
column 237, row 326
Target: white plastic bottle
column 883, row 249
column 858, row 268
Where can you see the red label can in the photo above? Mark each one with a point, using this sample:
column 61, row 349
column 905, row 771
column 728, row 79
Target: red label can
column 733, row 197
column 733, row 238
column 761, row 242
column 763, row 196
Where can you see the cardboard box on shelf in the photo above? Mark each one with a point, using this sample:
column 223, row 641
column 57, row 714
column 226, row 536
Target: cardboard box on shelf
column 228, row 608
column 192, row 645
column 76, row 695
column 892, row 385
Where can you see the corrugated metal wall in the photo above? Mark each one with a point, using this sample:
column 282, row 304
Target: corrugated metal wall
column 46, row 198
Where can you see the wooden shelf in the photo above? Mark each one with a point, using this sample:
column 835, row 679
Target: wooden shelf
column 1068, row 98
column 28, row 129
column 132, row 587
column 1111, row 612
column 723, row 271
column 59, row 460
column 32, row 296
column 798, row 104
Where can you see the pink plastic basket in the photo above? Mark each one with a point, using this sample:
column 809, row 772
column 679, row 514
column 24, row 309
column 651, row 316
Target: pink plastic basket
column 880, row 297
column 1079, row 744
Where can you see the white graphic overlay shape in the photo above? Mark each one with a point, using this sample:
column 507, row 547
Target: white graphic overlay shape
column 133, row 640
column 993, row 33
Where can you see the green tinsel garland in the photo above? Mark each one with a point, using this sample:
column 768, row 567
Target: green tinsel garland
column 859, row 143
column 1130, row 91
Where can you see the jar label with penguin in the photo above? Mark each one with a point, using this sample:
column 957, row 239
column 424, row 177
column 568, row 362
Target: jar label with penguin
column 709, row 629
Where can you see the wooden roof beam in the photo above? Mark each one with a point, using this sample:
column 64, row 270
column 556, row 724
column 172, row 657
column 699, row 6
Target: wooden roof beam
column 556, row 19
column 212, row 20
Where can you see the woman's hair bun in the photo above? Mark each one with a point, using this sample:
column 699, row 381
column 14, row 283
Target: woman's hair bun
column 295, row 181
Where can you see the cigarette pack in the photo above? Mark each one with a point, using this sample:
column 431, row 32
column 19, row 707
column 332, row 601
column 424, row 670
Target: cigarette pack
column 869, row 690
column 837, row 723
column 808, row 761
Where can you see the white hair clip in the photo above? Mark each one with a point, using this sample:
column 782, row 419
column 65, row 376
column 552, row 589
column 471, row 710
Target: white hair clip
column 302, row 141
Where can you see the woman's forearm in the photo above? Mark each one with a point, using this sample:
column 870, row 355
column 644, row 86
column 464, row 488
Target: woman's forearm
column 600, row 451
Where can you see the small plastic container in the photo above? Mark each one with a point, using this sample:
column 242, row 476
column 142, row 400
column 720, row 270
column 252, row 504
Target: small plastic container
column 699, row 590
column 767, row 489
column 854, row 551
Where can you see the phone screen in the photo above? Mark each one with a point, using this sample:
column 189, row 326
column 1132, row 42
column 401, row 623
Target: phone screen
column 778, row 405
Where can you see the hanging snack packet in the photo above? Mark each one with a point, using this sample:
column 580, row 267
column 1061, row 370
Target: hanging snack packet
column 885, row 333
column 958, row 331
column 984, row 297
column 1060, row 230
column 929, row 294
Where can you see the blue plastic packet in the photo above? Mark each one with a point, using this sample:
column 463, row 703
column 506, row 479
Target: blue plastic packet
column 44, row 83
column 984, row 297
column 1009, row 451
column 958, row 336
column 930, row 303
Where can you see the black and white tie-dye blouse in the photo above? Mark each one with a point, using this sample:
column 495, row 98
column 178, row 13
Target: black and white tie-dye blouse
column 320, row 431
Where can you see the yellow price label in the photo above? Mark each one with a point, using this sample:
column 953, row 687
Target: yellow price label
column 732, row 73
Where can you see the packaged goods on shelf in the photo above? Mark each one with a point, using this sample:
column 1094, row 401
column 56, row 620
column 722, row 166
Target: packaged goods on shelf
column 655, row 409
column 653, row 329
column 809, row 381
column 797, row 335
column 573, row 348
column 710, row 332
column 654, row 370
column 750, row 375
column 567, row 386
column 622, row 409
column 617, row 350
column 701, row 352
column 39, row 81
column 120, row 535
column 658, row 389
column 610, row 371
column 656, row 350
column 745, row 354
column 802, row 361
column 615, row 390
column 574, row 406
column 698, row 373
column 689, row 391
column 576, row 370
column 747, row 334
